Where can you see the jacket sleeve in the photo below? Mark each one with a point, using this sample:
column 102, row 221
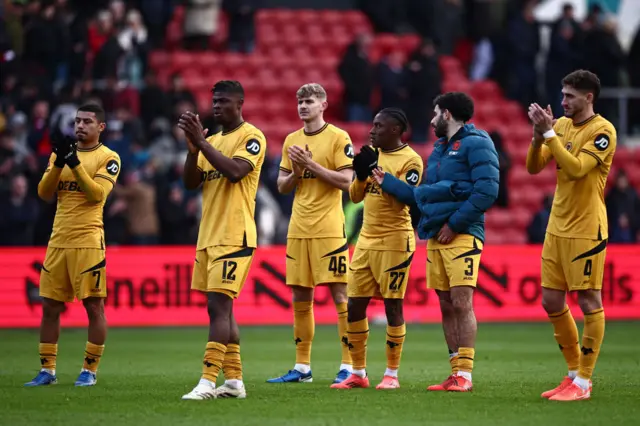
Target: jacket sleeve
column 485, row 175
column 399, row 189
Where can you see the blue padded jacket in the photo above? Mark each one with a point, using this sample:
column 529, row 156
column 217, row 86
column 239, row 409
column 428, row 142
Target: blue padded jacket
column 461, row 184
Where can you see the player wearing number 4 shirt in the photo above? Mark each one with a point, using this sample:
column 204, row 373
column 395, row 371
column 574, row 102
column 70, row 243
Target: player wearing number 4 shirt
column 227, row 165
column 316, row 162
column 384, row 251
column 82, row 172
column 583, row 144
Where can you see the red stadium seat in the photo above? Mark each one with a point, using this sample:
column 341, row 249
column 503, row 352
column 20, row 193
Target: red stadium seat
column 450, row 64
column 485, row 90
column 159, row 59
column 181, row 59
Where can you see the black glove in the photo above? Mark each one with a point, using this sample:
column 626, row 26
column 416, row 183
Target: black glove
column 370, row 155
column 72, row 154
column 360, row 166
column 60, row 147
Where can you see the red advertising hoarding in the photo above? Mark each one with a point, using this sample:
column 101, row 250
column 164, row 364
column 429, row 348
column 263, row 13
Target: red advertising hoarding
column 150, row 286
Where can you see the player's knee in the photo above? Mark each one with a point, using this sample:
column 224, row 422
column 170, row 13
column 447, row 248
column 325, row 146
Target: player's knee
column 589, row 300
column 446, row 305
column 302, row 294
column 552, row 301
column 52, row 309
column 394, row 312
column 357, row 309
column 462, row 304
column 94, row 307
column 218, row 305
column 338, row 292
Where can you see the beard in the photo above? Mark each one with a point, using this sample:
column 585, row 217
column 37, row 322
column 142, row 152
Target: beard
column 440, row 128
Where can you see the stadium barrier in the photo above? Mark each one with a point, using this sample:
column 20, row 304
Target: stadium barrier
column 150, row 286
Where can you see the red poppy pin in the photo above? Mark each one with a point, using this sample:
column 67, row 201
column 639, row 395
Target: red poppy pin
column 456, row 145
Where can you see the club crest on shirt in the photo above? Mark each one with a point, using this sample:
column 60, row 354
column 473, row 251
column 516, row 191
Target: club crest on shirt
column 568, row 146
column 456, row 145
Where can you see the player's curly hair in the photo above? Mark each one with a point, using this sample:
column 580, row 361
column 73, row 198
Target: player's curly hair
column 398, row 115
column 584, row 81
column 228, row 86
column 459, row 104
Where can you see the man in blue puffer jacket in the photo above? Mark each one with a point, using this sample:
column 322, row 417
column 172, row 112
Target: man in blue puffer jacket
column 462, row 182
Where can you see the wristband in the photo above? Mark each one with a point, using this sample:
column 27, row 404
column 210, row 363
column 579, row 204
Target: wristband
column 549, row 134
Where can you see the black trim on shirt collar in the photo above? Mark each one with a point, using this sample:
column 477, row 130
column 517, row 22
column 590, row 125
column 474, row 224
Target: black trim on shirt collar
column 233, row 130
column 582, row 123
column 90, row 149
column 317, row 132
column 401, row 147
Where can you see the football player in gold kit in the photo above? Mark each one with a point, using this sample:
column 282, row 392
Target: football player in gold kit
column 227, row 165
column 317, row 163
column 583, row 144
column 385, row 247
column 82, row 172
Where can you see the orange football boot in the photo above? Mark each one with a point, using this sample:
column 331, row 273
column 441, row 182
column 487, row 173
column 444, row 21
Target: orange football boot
column 572, row 392
column 442, row 386
column 460, row 384
column 353, row 381
column 388, row 382
column 565, row 382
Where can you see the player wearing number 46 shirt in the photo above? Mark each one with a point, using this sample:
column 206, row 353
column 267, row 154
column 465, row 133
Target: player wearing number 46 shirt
column 82, row 172
column 317, row 163
column 583, row 145
column 384, row 251
column 227, row 166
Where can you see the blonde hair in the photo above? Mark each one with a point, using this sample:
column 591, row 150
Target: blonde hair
column 312, row 89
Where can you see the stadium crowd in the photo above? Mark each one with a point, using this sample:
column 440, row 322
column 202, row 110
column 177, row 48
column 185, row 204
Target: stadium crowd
column 57, row 55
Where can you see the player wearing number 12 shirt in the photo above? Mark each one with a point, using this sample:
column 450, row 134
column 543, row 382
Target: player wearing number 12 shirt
column 583, row 144
column 227, row 166
column 81, row 172
column 317, row 163
column 384, row 251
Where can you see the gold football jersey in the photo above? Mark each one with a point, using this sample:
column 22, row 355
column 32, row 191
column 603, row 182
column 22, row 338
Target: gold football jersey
column 317, row 206
column 78, row 222
column 578, row 208
column 387, row 223
column 228, row 208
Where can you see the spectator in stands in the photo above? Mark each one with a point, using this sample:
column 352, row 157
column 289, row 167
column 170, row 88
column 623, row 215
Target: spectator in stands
column 423, row 83
column 177, row 94
column 133, row 41
column 18, row 215
column 524, row 44
column 242, row 28
column 157, row 15
column 7, row 159
column 505, row 166
column 607, row 60
column 154, row 101
column 46, row 44
column 105, row 47
column 357, row 74
column 538, row 226
column 622, row 232
column 390, row 78
column 623, row 201
column 177, row 215
column 139, row 194
column 565, row 56
column 200, row 23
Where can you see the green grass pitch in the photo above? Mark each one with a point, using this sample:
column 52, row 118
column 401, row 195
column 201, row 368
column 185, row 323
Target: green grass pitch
column 145, row 372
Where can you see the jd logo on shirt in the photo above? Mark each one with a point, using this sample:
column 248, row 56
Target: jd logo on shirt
column 253, row 146
column 412, row 177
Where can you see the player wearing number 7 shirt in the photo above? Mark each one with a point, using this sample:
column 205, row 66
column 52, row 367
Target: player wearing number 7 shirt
column 583, row 144
column 317, row 163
